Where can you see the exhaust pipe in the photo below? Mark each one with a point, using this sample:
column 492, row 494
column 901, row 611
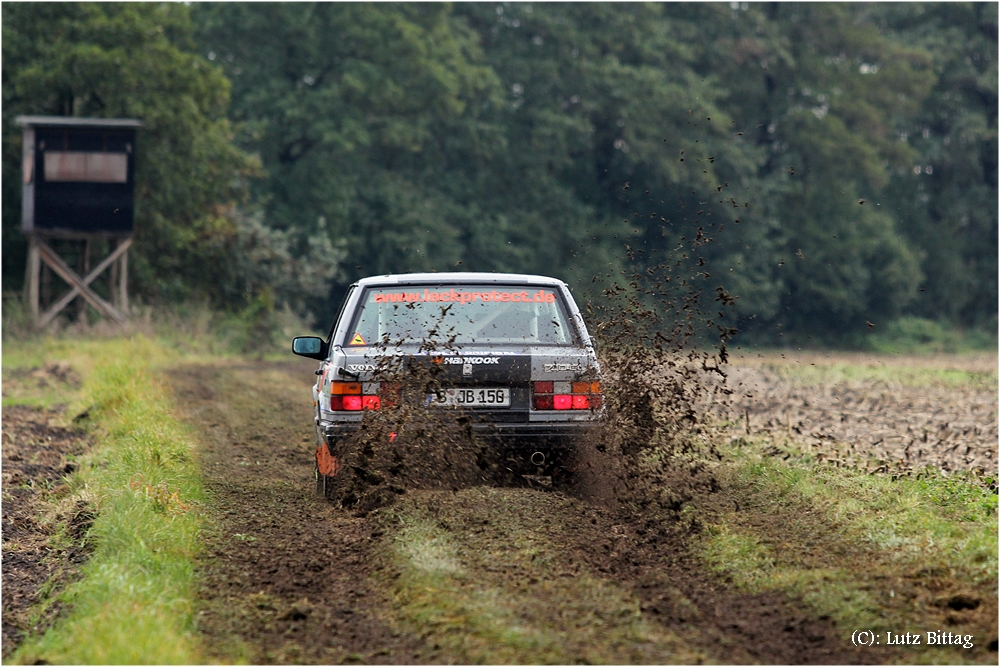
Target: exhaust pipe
column 538, row 458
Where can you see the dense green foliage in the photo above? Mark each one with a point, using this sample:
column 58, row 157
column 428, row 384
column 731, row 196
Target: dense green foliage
column 128, row 61
column 840, row 157
column 140, row 61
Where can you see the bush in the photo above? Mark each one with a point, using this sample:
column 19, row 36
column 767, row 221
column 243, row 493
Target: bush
column 919, row 335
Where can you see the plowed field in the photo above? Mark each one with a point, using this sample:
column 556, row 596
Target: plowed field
column 891, row 415
column 38, row 450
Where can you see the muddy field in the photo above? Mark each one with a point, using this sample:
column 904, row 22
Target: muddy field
column 576, row 576
column 856, row 410
column 42, row 550
column 289, row 578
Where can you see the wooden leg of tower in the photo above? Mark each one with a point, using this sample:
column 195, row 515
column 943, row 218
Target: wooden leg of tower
column 123, row 284
column 113, row 280
column 32, row 276
column 45, row 293
column 84, row 270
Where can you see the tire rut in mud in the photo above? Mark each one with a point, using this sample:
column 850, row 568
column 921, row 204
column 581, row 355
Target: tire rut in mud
column 284, row 575
column 733, row 626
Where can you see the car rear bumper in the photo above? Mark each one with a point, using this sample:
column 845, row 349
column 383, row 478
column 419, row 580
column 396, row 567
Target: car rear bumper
column 527, row 435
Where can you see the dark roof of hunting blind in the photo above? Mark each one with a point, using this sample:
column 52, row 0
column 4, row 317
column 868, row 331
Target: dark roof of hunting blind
column 70, row 121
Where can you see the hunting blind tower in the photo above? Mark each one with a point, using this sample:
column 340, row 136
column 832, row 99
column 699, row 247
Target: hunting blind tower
column 78, row 185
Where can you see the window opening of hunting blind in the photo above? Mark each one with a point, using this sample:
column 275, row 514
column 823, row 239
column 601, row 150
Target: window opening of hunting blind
column 76, row 166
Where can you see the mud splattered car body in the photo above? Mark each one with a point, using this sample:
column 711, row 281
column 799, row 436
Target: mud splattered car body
column 511, row 355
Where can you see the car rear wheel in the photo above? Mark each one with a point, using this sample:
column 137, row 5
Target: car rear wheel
column 332, row 487
column 327, row 483
column 321, row 479
column 322, row 483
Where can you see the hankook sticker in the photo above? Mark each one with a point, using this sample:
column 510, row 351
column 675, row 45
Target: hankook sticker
column 470, row 360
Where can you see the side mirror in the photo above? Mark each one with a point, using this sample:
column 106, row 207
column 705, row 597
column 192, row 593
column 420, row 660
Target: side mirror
column 310, row 346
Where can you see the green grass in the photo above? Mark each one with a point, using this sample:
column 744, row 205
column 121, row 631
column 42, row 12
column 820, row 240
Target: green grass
column 814, row 369
column 869, row 551
column 915, row 335
column 133, row 602
column 259, row 329
column 906, row 335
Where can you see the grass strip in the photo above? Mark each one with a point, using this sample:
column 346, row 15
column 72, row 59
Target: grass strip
column 434, row 592
column 870, row 551
column 971, row 371
column 134, row 601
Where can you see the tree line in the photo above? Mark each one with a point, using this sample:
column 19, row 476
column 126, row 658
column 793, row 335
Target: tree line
column 841, row 158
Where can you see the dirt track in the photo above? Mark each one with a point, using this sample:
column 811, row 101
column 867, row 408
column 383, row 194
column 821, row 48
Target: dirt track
column 287, row 578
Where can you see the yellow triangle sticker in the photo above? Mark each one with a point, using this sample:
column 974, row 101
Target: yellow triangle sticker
column 358, row 340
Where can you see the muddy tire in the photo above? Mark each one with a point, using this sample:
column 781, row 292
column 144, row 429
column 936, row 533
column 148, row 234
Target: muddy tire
column 332, row 487
column 322, row 483
column 321, row 479
column 335, row 487
column 506, row 475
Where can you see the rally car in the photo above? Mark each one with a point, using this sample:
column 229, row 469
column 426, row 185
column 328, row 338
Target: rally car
column 511, row 354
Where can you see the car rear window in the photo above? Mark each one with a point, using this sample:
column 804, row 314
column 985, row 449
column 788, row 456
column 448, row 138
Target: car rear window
column 461, row 315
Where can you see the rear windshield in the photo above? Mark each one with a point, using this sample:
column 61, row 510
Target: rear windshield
column 461, row 315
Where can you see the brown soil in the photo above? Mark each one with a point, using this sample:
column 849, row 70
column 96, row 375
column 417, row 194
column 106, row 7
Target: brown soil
column 288, row 577
column 37, row 453
column 873, row 424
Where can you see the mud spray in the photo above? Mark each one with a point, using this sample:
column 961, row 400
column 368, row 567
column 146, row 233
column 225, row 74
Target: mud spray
column 407, row 444
column 662, row 360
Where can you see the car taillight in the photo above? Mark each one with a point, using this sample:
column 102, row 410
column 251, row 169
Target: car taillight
column 354, row 396
column 567, row 395
column 544, row 387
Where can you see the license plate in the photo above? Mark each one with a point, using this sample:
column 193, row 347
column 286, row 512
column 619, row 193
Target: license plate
column 493, row 397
